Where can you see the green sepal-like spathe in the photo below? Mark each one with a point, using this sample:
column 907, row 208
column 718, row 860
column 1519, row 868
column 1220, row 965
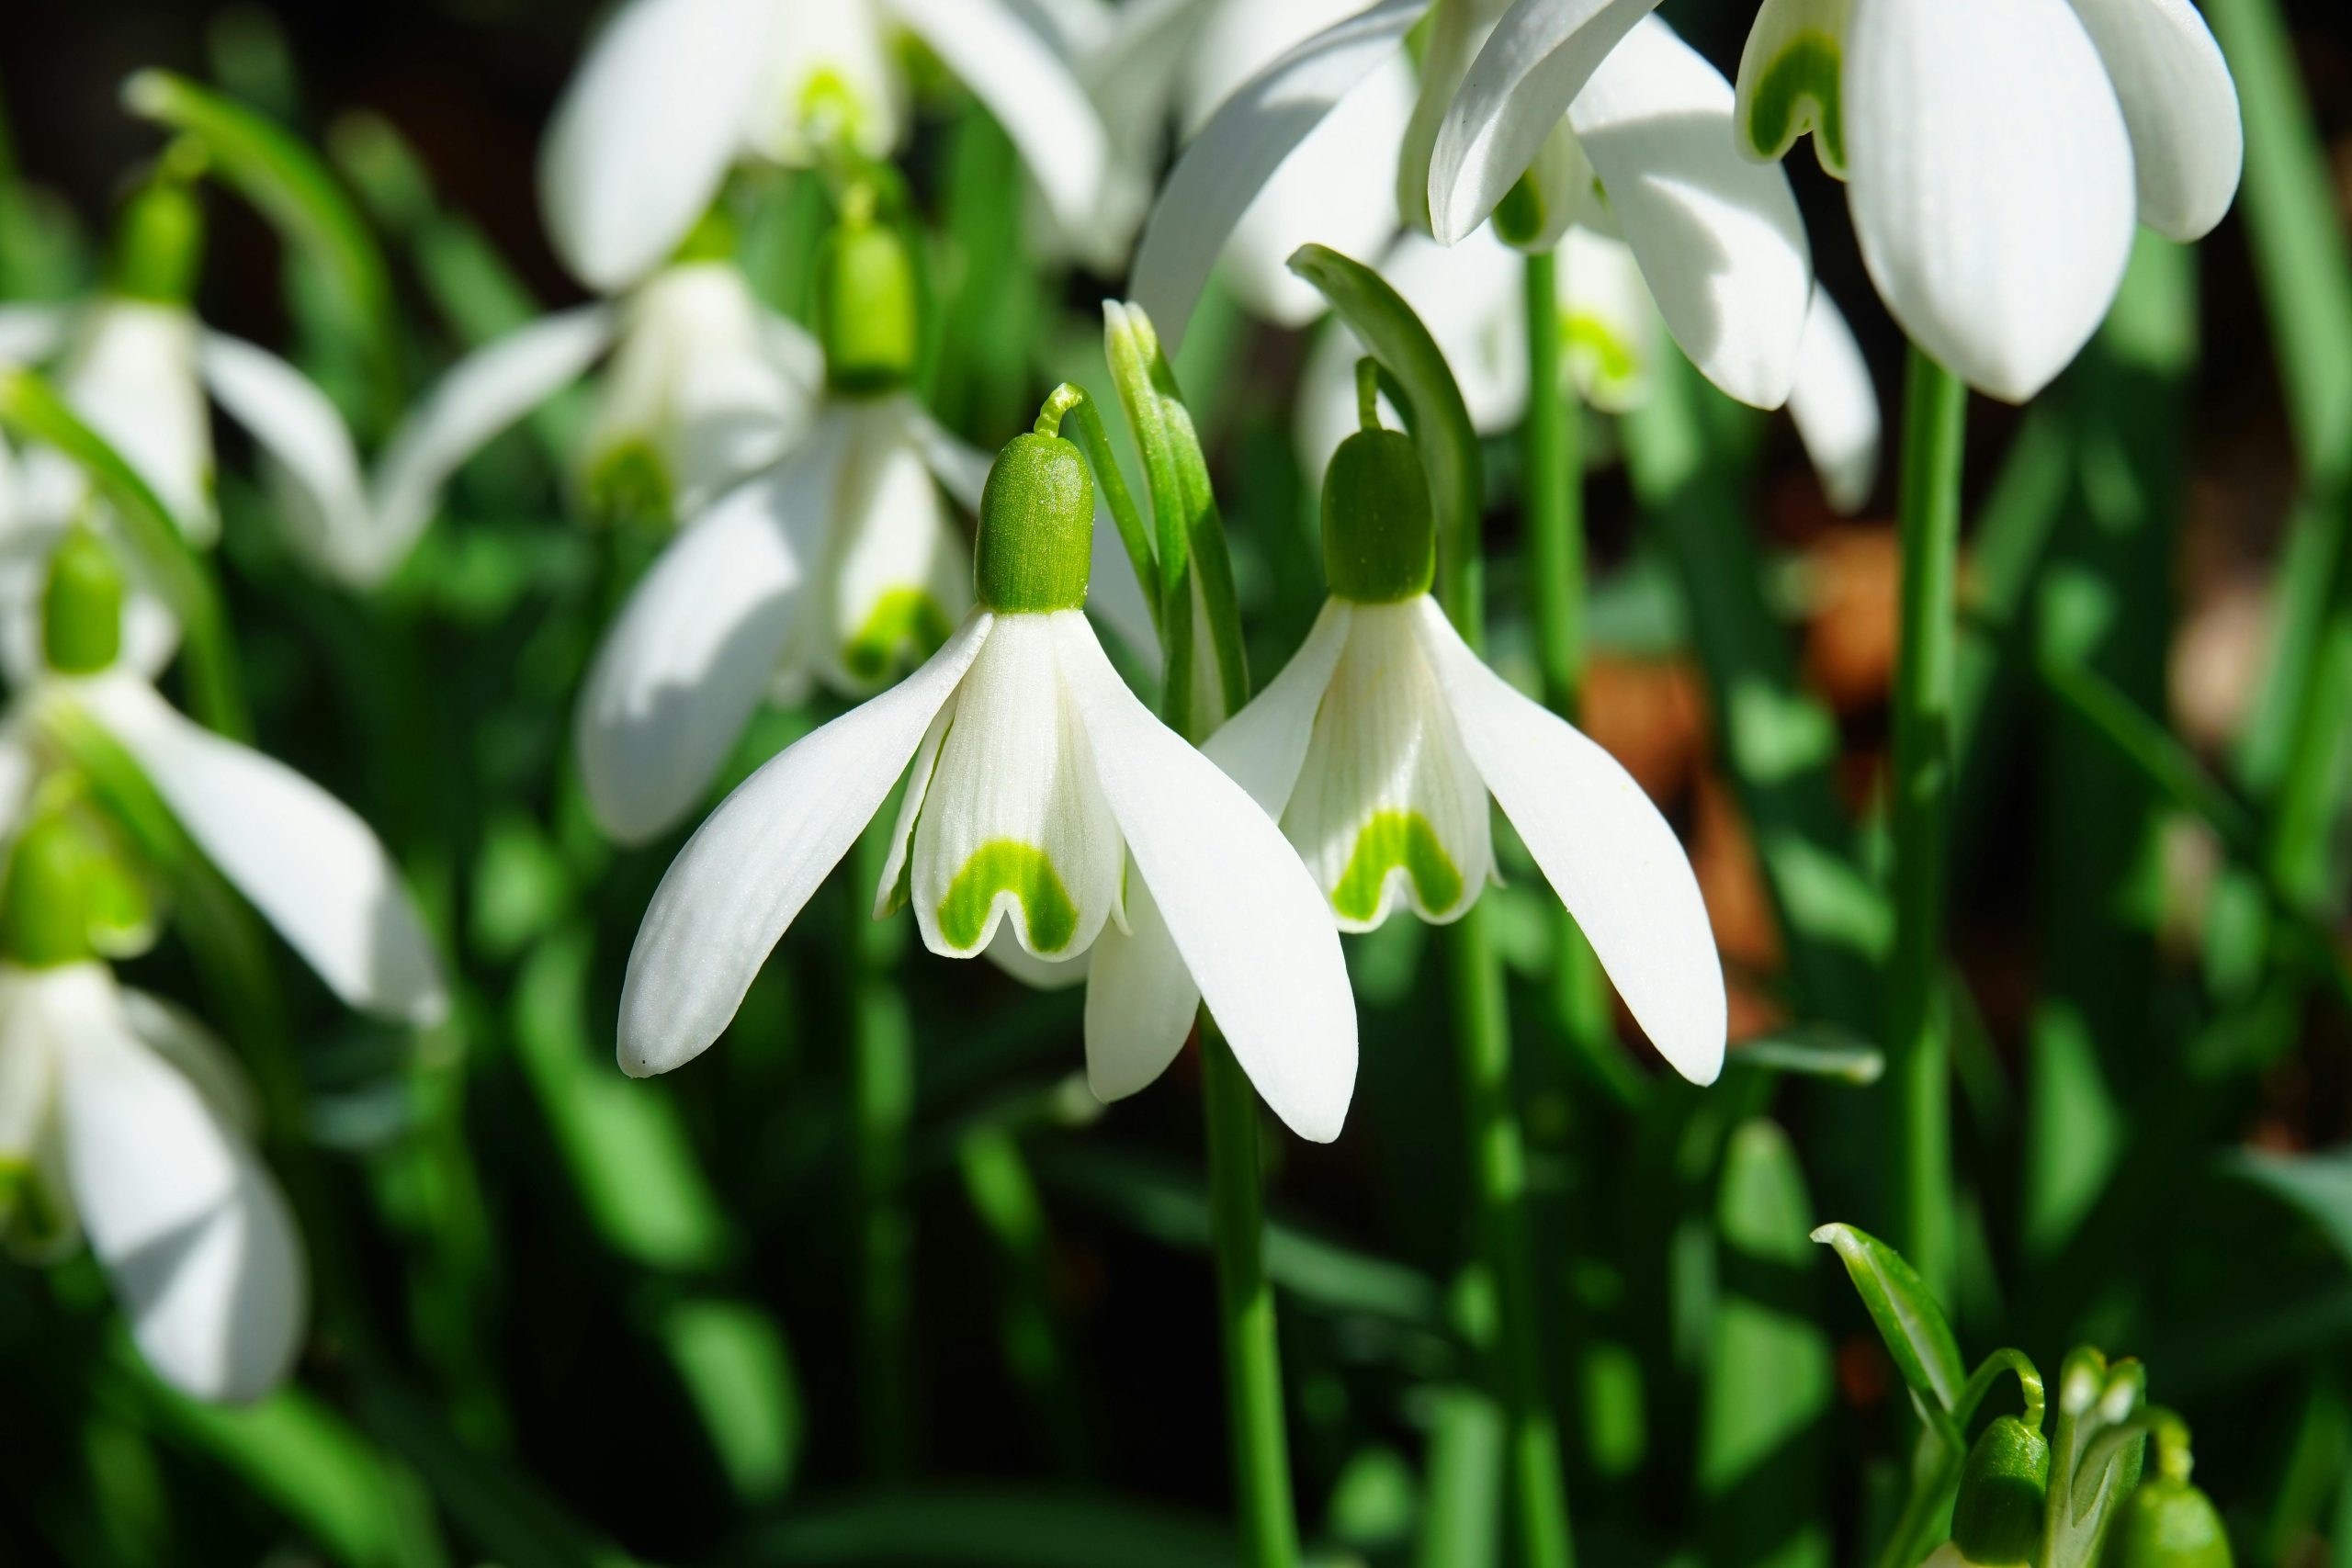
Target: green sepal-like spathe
column 1037, row 537
column 1379, row 528
column 866, row 308
column 81, row 605
column 159, row 244
column 1996, row 1519
column 2167, row 1523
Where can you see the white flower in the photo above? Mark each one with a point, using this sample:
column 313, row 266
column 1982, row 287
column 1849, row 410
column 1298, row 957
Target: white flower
column 124, row 1118
column 1470, row 296
column 704, row 385
column 1045, row 802
column 674, row 91
column 1996, row 155
column 1623, row 126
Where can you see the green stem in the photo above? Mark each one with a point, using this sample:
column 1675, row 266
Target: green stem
column 1497, row 1155
column 1921, row 792
column 882, row 1077
column 1245, row 1302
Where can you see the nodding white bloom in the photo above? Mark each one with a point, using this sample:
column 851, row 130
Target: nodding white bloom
column 1046, row 805
column 703, row 385
column 1996, row 155
column 124, row 1119
column 1376, row 747
column 674, row 92
column 1472, row 299
column 302, row 858
column 1613, row 120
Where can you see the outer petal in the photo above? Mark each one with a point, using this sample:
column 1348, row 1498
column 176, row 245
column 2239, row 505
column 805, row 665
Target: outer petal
column 200, row 1242
column 638, row 147
column 312, row 868
column 1720, row 240
column 1245, row 918
column 1239, row 150
column 1031, row 91
column 1835, row 405
column 1991, row 182
column 1140, row 1000
column 895, row 576
column 31, row 334
column 748, row 869
column 485, row 393
column 2179, row 105
column 687, row 659
column 1537, row 59
column 1263, row 747
column 323, row 498
column 1604, row 847
column 131, row 375
column 197, row 1055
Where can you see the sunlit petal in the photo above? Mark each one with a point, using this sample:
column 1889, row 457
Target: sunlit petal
column 2179, row 105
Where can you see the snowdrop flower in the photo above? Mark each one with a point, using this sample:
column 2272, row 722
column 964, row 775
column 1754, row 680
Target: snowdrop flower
column 1616, row 123
column 1471, row 297
column 136, row 366
column 1995, row 156
column 1045, row 803
column 1376, row 749
column 311, row 866
column 702, row 385
column 675, row 91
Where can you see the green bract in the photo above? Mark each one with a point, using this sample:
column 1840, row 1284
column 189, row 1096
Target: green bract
column 866, row 308
column 81, row 605
column 1036, row 535
column 1379, row 531
column 1996, row 1520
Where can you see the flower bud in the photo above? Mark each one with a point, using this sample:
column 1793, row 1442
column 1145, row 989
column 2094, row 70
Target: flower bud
column 1379, row 528
column 81, row 605
column 158, row 241
column 69, row 893
column 1036, row 540
column 2167, row 1523
column 866, row 308
column 1996, row 1520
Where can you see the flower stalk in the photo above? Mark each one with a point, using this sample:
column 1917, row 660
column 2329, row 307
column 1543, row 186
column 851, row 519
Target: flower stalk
column 1934, row 404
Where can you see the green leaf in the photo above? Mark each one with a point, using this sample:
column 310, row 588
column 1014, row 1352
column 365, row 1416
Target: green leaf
column 1815, row 1051
column 1909, row 1319
column 2319, row 1184
column 996, row 1526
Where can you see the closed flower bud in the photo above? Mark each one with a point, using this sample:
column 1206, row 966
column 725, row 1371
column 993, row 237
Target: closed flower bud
column 1379, row 528
column 81, row 605
column 866, row 308
column 1996, row 1520
column 2167, row 1523
column 1037, row 537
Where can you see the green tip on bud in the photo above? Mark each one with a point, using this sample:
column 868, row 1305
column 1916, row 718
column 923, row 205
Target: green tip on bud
column 1996, row 1520
column 81, row 605
column 866, row 304
column 2167, row 1523
column 1036, row 541
column 158, row 241
column 1379, row 525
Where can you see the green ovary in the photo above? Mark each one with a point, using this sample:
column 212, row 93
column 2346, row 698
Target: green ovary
column 905, row 619
column 1389, row 839
column 1008, row 866
column 629, row 480
column 1801, row 84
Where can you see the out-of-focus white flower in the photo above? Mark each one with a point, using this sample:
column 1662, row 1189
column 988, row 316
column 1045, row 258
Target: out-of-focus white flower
column 674, row 91
column 1996, row 155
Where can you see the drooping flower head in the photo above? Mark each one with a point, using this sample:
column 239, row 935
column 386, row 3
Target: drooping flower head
column 1047, row 807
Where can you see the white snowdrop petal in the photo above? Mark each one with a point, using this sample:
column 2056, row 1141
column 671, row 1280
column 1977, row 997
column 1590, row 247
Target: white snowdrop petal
column 748, row 869
column 638, row 146
column 197, row 1055
column 312, row 868
column 1224, row 168
column 1263, row 747
column 1990, row 180
column 482, row 395
column 2179, row 105
column 132, row 376
column 1245, row 917
column 31, row 334
column 1140, row 1000
column 323, row 500
column 895, row 576
column 1611, row 322
column 1835, row 406
column 1722, row 245
column 685, row 662
column 1606, row 851
column 1790, row 76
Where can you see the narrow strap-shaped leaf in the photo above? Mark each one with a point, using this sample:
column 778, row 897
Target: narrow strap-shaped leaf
column 1916, row 1333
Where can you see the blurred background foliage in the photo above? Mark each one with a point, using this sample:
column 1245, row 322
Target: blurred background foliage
column 567, row 1319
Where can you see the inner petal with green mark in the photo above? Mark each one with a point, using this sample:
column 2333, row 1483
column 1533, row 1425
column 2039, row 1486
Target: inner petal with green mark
column 1024, row 873
column 629, row 480
column 905, row 628
column 1796, row 92
column 1390, row 843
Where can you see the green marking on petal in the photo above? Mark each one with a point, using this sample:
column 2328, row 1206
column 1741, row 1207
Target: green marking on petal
column 32, row 1219
column 830, row 109
column 1799, row 92
column 1389, row 839
column 906, row 623
column 1008, row 866
column 1610, row 359
column 629, row 480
